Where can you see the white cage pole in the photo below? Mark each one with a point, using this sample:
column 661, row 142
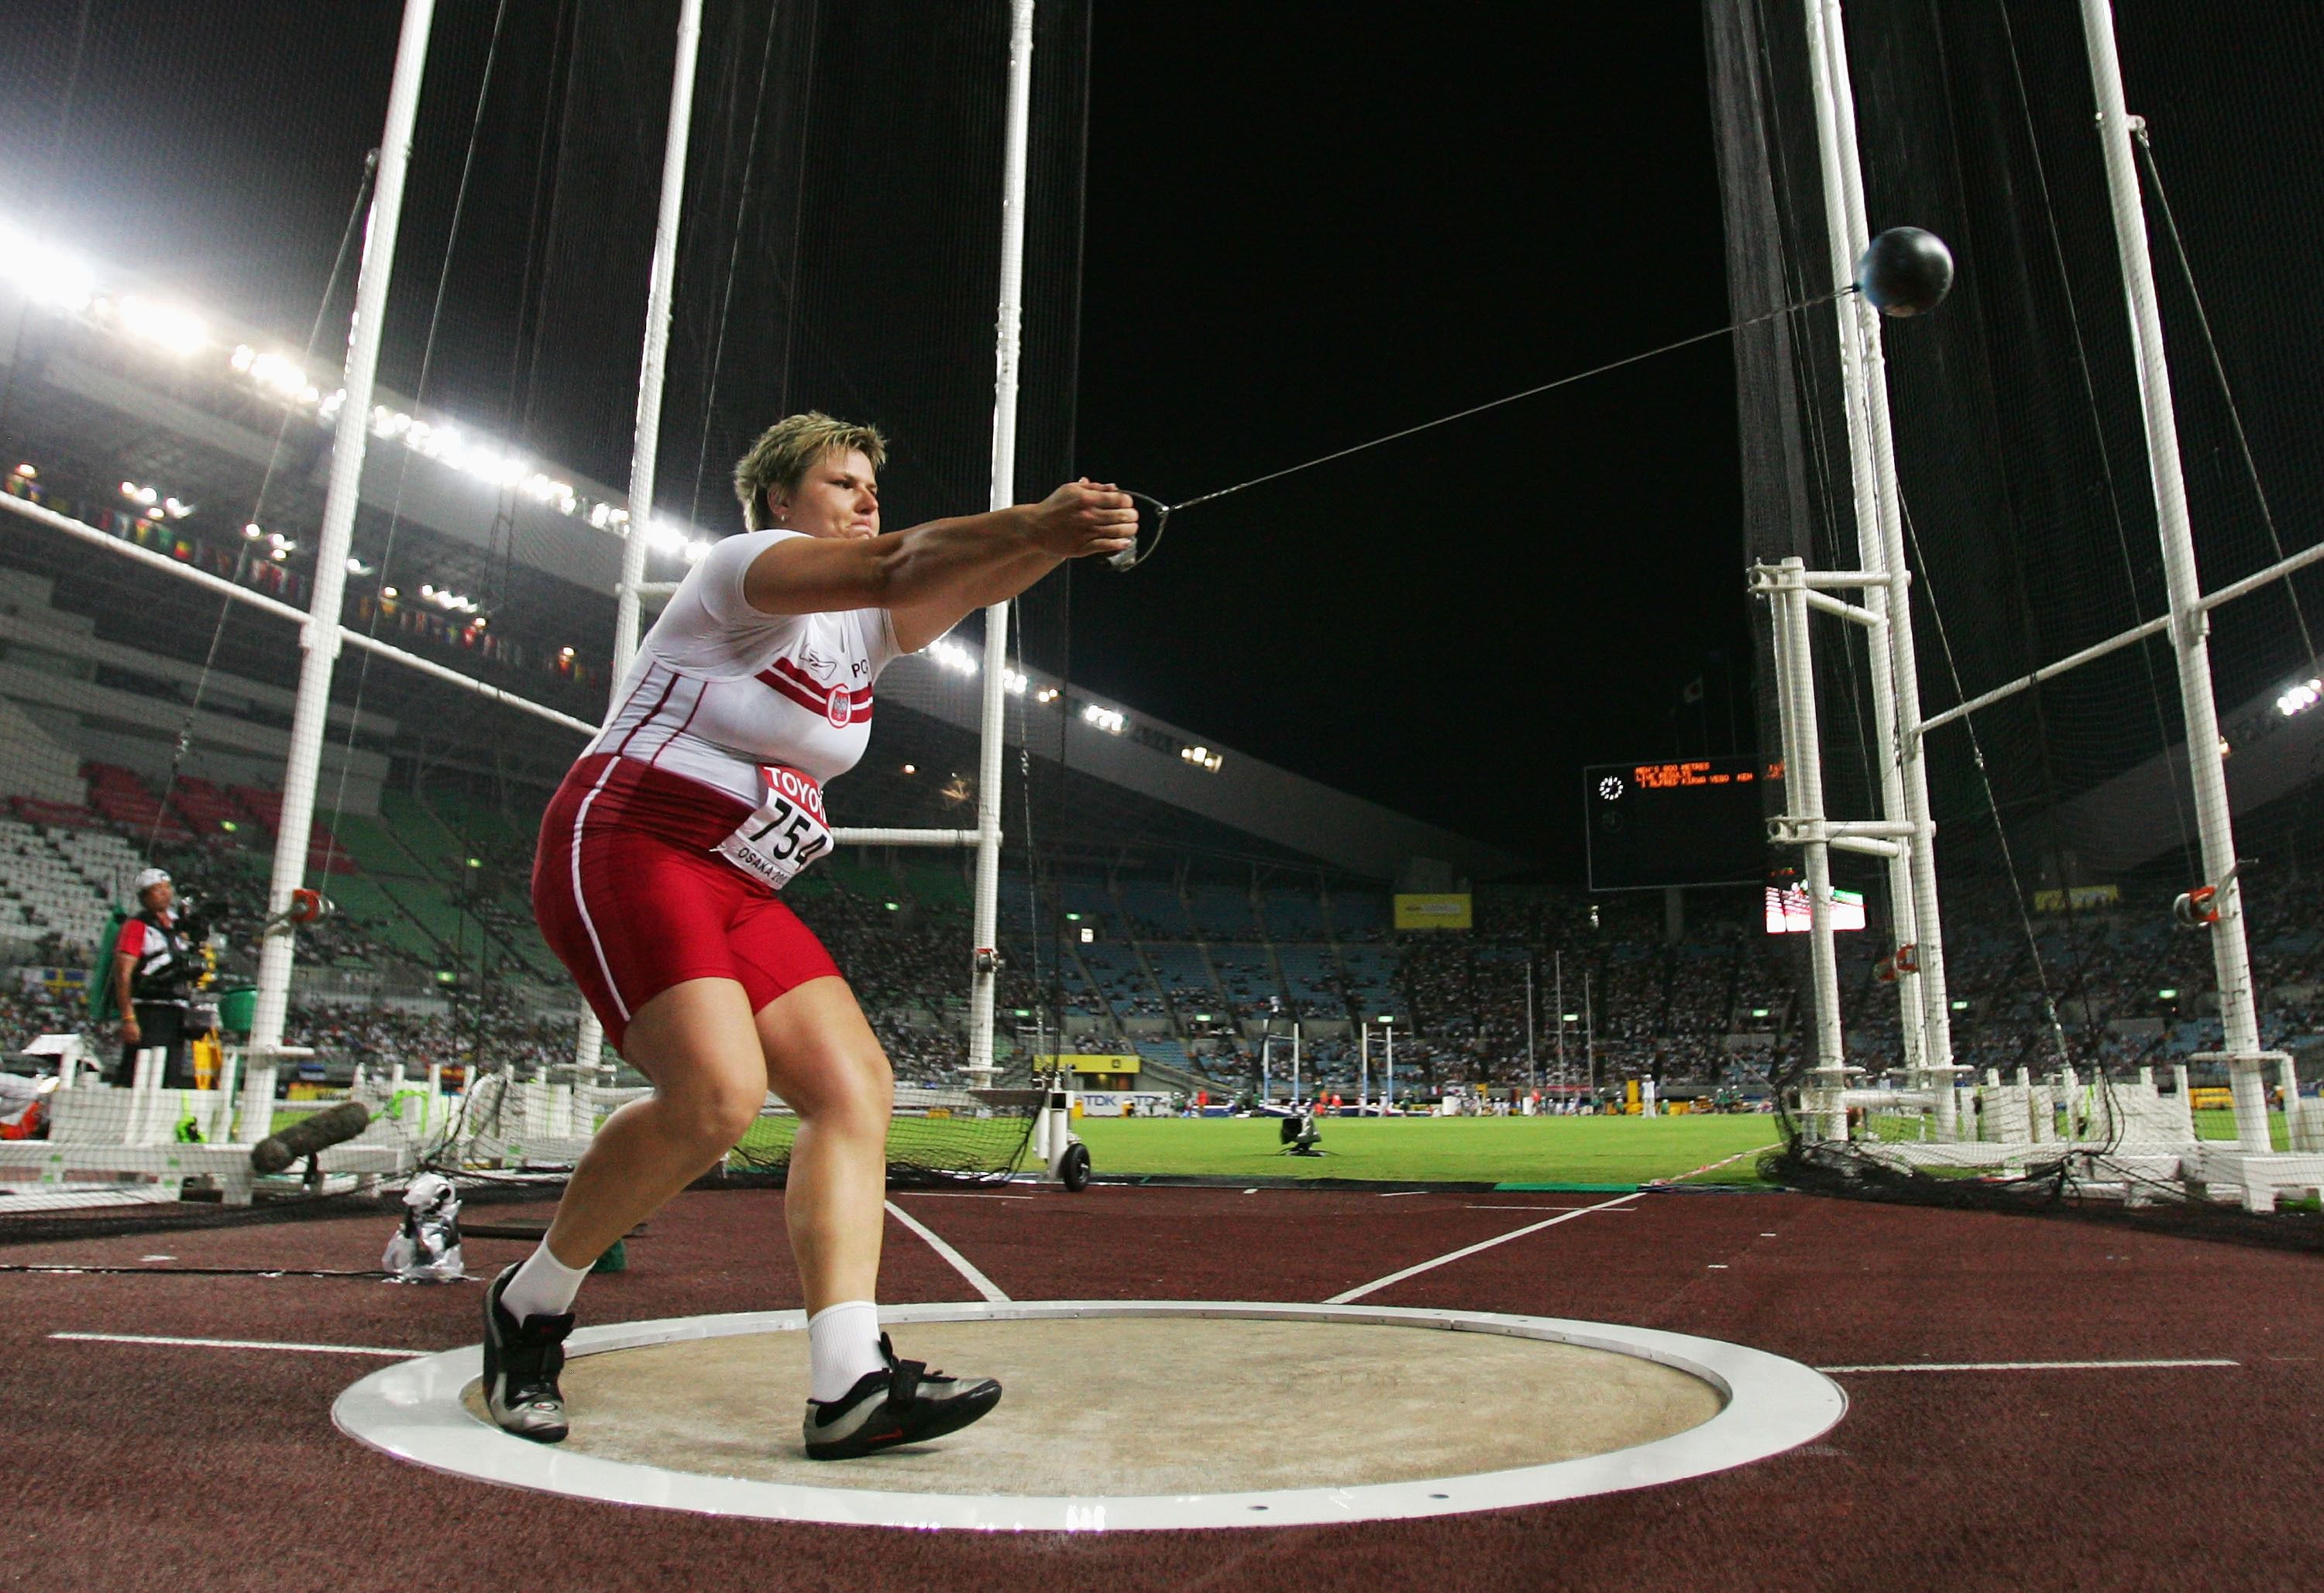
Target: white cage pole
column 2190, row 617
column 1803, row 800
column 1936, row 1059
column 985, row 964
column 646, row 439
column 1834, row 146
column 320, row 637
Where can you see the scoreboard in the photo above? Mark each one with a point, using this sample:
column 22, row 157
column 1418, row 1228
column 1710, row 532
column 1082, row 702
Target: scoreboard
column 1688, row 822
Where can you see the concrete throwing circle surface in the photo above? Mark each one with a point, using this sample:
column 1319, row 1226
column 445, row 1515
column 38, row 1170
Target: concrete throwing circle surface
column 1127, row 1414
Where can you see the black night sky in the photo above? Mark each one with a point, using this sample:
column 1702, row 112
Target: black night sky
column 1304, row 229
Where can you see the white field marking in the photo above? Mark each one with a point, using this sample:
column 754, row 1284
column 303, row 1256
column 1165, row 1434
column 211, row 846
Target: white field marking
column 242, row 1344
column 1712, row 1167
column 960, row 1263
column 1391, row 1194
column 1624, row 1211
column 2032, row 1366
column 1397, row 1277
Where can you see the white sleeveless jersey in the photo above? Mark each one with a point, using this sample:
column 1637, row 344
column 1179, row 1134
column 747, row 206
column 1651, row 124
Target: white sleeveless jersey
column 718, row 689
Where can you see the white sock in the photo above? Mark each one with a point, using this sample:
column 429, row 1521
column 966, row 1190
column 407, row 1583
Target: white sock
column 542, row 1286
column 843, row 1345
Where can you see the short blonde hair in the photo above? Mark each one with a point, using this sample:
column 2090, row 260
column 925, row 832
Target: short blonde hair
column 789, row 448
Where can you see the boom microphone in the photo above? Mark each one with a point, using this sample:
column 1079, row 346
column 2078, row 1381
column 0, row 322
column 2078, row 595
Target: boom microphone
column 303, row 1138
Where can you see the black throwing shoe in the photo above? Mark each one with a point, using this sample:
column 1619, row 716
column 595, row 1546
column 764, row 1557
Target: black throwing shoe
column 521, row 1361
column 905, row 1404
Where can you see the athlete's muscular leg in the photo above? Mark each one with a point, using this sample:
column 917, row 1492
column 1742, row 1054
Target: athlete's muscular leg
column 696, row 1043
column 823, row 1059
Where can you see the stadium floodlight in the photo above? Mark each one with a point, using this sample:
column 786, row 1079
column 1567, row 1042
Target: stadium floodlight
column 45, row 275
column 1107, row 720
column 176, row 331
column 954, row 656
column 1013, row 682
column 2300, row 698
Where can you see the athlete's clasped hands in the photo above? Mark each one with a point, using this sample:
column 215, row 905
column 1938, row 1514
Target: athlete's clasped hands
column 1083, row 517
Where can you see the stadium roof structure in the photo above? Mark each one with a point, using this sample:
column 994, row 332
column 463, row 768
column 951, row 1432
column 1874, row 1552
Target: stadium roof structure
column 114, row 393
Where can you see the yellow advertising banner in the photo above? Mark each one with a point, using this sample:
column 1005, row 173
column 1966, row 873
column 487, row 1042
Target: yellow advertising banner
column 1451, row 911
column 1084, row 1063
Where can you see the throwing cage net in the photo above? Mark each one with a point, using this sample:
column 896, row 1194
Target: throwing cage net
column 169, row 423
column 2085, row 1019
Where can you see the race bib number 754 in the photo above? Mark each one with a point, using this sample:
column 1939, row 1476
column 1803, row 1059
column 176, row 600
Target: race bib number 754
column 785, row 833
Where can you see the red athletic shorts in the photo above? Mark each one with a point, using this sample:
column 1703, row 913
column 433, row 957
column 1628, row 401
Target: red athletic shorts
column 632, row 898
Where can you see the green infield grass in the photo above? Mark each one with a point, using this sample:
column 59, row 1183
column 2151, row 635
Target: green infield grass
column 2219, row 1123
column 1620, row 1151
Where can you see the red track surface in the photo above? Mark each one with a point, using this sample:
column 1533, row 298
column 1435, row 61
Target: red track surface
column 134, row 1466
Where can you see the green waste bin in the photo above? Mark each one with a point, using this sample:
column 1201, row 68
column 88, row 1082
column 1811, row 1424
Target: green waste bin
column 237, row 1007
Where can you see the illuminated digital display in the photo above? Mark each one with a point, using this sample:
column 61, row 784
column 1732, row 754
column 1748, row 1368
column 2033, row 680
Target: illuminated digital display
column 1787, row 910
column 1696, row 821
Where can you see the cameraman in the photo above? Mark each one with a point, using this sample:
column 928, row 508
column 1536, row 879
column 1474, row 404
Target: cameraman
column 155, row 966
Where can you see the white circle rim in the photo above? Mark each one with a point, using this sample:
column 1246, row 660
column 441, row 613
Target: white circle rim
column 414, row 1411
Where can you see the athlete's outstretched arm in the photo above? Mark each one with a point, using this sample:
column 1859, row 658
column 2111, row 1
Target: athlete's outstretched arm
column 933, row 575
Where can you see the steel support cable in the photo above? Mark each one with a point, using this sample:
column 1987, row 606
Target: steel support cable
column 347, row 236
column 403, row 471
column 2144, row 145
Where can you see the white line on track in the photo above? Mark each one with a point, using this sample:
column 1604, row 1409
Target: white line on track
column 241, row 1344
column 1397, row 1277
column 2032, row 1365
column 1391, row 1194
column 960, row 1263
column 1623, row 1210
column 957, row 1194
